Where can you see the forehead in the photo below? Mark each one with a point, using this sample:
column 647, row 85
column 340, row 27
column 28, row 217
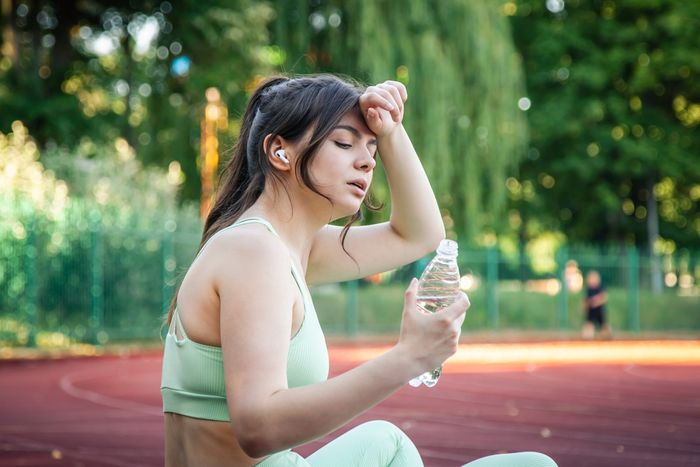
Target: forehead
column 355, row 120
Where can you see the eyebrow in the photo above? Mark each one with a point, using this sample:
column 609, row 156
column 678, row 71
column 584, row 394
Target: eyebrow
column 354, row 131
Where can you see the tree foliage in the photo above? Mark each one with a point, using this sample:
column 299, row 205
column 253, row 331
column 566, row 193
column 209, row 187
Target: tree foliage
column 456, row 58
column 76, row 71
column 463, row 77
column 614, row 88
column 614, row 118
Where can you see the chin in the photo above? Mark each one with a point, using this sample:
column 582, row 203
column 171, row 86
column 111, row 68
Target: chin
column 342, row 206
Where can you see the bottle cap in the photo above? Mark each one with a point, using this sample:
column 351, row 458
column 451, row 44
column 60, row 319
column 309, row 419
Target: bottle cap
column 448, row 248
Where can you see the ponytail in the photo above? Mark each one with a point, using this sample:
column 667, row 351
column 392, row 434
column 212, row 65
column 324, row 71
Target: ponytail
column 242, row 179
column 291, row 109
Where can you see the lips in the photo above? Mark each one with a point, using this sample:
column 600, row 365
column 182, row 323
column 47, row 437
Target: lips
column 359, row 183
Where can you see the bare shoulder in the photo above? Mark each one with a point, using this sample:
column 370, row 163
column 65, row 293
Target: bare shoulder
column 235, row 265
column 244, row 251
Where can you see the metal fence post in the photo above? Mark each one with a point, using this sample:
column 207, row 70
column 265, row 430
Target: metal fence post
column 351, row 309
column 633, row 289
column 168, row 267
column 491, row 283
column 562, row 298
column 31, row 285
column 96, row 279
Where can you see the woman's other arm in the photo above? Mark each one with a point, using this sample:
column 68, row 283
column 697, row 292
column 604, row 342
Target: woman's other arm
column 257, row 294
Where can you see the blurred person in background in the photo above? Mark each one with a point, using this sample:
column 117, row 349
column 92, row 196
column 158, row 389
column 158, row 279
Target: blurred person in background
column 594, row 305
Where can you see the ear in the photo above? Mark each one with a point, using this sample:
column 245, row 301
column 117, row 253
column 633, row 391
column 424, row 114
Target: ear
column 274, row 144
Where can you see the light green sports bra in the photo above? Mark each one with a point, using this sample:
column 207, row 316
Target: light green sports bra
column 192, row 381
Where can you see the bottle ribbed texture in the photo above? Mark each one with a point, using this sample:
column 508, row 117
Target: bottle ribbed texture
column 438, row 288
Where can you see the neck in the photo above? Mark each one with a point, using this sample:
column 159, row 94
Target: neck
column 297, row 223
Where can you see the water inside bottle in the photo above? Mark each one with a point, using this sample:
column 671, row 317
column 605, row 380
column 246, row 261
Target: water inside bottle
column 434, row 304
column 438, row 290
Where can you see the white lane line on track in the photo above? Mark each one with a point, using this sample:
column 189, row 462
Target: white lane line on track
column 67, row 384
column 36, row 446
column 643, row 372
column 603, row 441
column 587, row 388
column 76, row 428
column 568, row 433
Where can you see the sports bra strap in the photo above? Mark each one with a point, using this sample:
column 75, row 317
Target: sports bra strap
column 256, row 220
column 249, row 220
column 175, row 326
column 298, row 277
column 296, row 274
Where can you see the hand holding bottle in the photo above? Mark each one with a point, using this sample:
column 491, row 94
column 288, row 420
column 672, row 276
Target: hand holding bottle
column 430, row 338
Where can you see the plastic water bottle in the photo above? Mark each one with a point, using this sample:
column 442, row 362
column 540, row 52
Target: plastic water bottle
column 438, row 287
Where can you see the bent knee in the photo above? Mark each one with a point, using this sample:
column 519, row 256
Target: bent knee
column 541, row 460
column 534, row 459
column 516, row 459
column 385, row 430
column 391, row 446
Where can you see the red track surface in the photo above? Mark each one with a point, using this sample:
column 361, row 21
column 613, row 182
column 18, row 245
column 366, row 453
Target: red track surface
column 105, row 411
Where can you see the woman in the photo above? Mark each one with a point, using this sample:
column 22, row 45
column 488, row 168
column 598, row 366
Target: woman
column 245, row 364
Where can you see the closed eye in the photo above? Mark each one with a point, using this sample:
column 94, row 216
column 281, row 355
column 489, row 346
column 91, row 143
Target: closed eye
column 343, row 145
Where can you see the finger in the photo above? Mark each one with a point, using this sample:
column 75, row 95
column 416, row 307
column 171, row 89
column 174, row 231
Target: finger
column 458, row 308
column 374, row 119
column 395, row 94
column 377, row 98
column 391, row 94
column 396, row 97
column 460, row 320
column 400, row 87
column 386, row 95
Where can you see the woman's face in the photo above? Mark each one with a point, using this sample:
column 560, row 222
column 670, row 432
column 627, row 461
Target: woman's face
column 343, row 166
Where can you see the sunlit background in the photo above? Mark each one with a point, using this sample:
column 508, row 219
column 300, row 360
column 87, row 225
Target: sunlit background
column 560, row 137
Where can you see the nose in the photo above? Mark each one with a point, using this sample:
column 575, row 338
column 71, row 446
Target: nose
column 365, row 162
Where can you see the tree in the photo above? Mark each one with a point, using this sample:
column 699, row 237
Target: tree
column 615, row 109
column 464, row 80
column 77, row 71
column 139, row 70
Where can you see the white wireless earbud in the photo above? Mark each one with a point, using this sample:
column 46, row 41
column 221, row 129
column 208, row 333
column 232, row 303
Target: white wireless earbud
column 280, row 154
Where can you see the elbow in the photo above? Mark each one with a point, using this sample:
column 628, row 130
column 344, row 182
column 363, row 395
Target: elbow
column 438, row 236
column 433, row 238
column 433, row 234
column 427, row 243
column 254, row 446
column 254, row 438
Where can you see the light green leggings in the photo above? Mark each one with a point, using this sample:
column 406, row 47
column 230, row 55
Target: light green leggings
column 381, row 444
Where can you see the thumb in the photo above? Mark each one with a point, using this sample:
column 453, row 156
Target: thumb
column 410, row 295
column 374, row 117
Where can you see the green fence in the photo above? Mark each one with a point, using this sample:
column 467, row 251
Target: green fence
column 88, row 284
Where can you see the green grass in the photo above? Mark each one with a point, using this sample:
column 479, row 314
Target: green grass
column 379, row 310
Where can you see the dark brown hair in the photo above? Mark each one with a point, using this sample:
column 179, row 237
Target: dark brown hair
column 289, row 108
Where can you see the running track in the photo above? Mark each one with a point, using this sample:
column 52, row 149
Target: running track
column 584, row 404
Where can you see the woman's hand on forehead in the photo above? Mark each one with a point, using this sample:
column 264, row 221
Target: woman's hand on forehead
column 382, row 106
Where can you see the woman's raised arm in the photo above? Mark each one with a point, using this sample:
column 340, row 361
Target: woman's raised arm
column 415, row 227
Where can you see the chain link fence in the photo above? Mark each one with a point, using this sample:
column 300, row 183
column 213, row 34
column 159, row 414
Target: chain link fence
column 85, row 283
